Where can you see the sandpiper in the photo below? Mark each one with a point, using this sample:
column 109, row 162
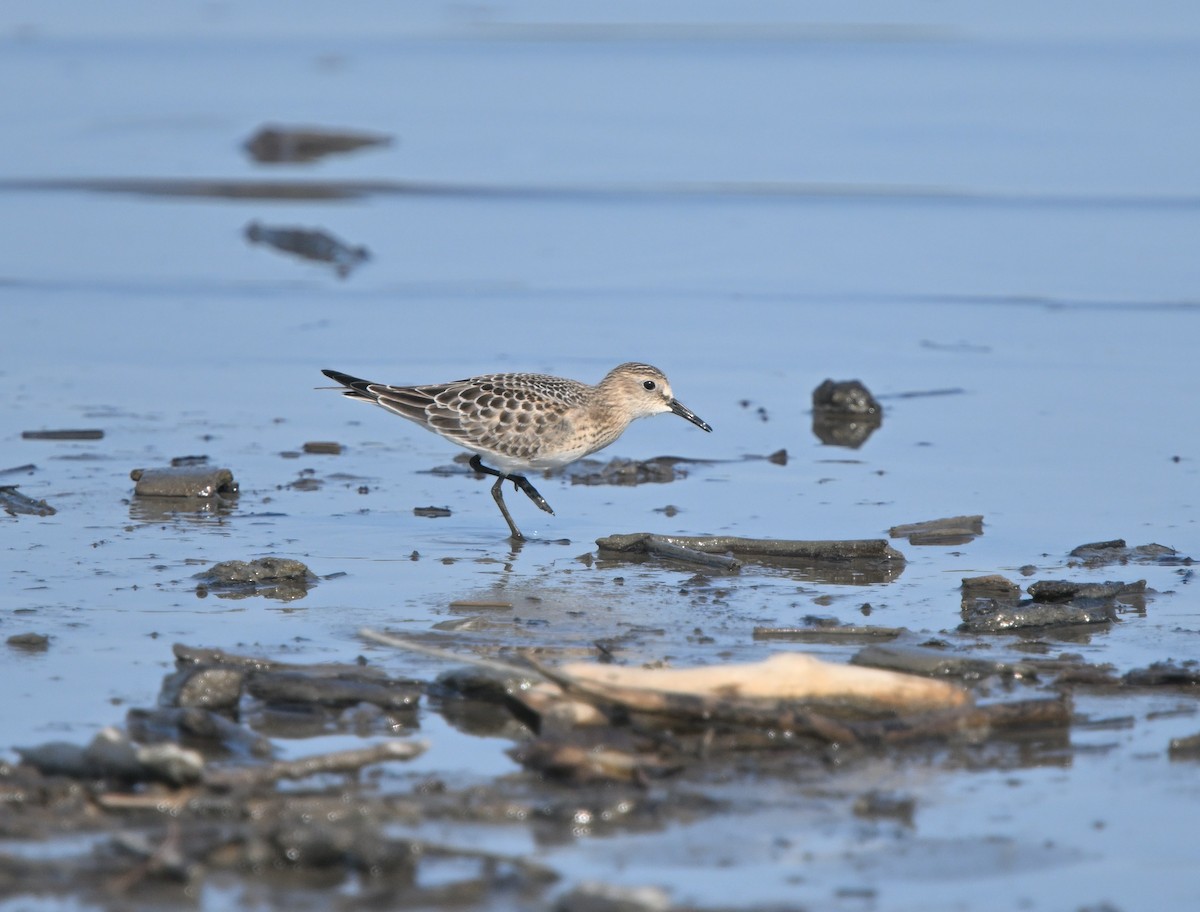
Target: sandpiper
column 527, row 422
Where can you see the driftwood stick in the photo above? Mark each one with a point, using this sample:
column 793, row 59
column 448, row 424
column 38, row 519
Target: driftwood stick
column 853, row 549
column 656, row 544
column 347, row 761
column 704, row 709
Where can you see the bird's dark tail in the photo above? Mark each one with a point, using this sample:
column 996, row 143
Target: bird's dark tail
column 356, row 388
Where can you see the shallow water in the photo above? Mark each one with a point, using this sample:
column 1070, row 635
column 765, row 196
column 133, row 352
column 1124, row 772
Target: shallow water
column 1005, row 205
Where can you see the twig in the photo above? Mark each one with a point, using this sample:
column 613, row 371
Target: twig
column 347, row 761
column 664, row 548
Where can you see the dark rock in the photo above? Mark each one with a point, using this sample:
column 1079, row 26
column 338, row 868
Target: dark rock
column 272, row 577
column 207, row 688
column 184, row 481
column 951, row 530
column 1065, row 590
column 847, row 397
column 994, row 616
column 29, row 642
column 1100, row 554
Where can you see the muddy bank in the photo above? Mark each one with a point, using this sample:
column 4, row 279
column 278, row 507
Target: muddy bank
column 195, row 794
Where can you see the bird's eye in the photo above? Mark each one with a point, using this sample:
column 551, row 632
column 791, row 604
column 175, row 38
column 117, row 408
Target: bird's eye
column 648, row 385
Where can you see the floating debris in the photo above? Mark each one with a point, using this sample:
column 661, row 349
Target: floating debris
column 275, row 144
column 84, row 434
column 952, row 530
column 15, row 503
column 309, row 244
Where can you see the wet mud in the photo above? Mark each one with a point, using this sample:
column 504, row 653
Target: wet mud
column 191, row 791
column 194, row 791
column 212, row 787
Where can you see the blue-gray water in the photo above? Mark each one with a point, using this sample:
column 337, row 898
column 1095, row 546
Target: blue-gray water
column 921, row 196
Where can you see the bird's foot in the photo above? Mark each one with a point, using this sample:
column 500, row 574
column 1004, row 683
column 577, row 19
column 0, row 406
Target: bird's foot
column 521, row 483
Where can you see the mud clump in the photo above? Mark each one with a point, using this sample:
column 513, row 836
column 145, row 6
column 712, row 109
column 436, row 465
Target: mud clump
column 845, row 413
column 271, row 577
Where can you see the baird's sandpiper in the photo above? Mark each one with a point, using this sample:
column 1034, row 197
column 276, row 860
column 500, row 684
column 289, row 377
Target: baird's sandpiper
column 527, row 422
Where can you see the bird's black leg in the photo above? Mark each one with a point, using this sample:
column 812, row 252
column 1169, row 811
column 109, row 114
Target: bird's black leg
column 499, row 497
column 520, row 482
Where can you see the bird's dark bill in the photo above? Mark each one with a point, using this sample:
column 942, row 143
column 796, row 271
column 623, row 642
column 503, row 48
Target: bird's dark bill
column 684, row 412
